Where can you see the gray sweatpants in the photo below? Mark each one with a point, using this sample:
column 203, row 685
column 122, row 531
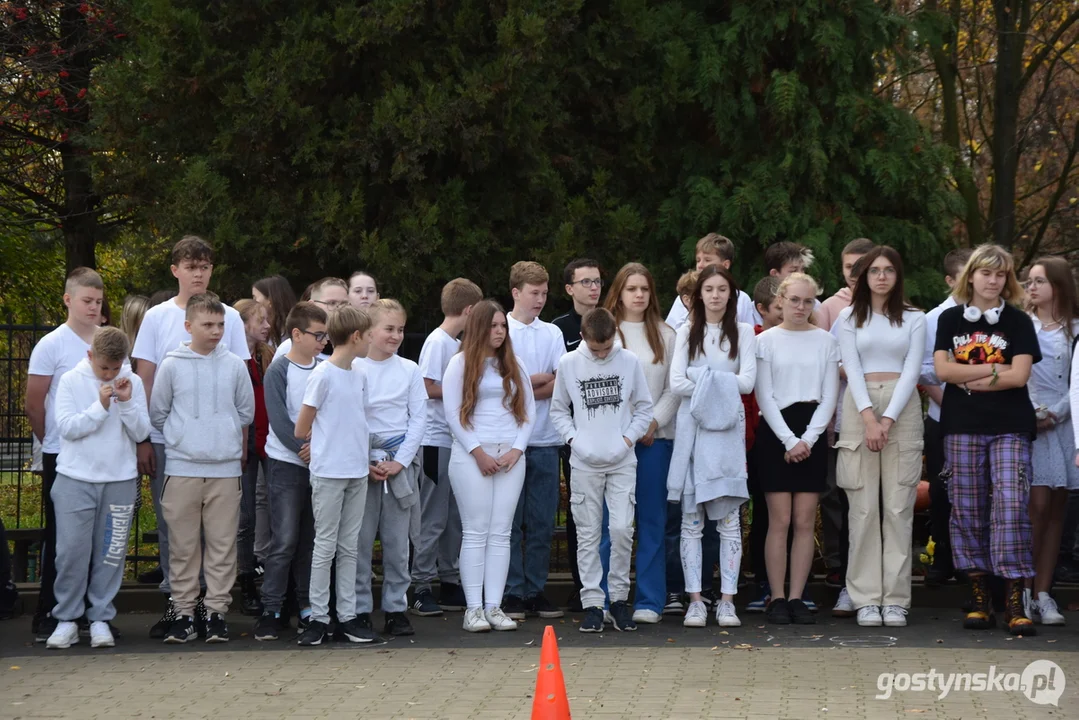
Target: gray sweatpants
column 438, row 549
column 384, row 515
column 93, row 521
column 337, row 505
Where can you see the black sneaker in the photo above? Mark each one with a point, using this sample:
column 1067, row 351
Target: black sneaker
column 452, row 598
column 622, row 616
column 540, row 605
column 834, row 579
column 268, row 626
column 313, row 634
column 778, row 612
column 425, row 605
column 200, row 617
column 217, row 631
column 397, row 624
column 43, row 627
column 800, row 612
column 593, row 620
column 674, row 605
column 181, row 630
column 250, row 602
column 152, row 577
column 358, row 629
column 514, row 607
column 162, row 626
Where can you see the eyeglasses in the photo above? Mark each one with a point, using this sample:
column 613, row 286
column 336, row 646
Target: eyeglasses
column 800, row 302
column 332, row 304
column 878, row 271
column 589, row 283
column 319, row 336
column 1036, row 281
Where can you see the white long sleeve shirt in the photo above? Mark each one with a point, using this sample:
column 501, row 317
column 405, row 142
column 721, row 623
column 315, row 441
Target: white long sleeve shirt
column 881, row 347
column 929, row 373
column 715, row 356
column 492, row 421
column 797, row 366
column 658, row 374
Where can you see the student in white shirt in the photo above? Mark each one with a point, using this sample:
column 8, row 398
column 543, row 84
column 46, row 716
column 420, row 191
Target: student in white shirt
column 397, row 419
column 55, row 354
column 101, row 413
column 713, row 249
column 881, row 345
column 334, row 419
column 329, row 293
column 797, row 388
column 641, row 330
column 540, row 345
column 1051, row 297
column 940, row 506
column 438, row 547
column 161, row 332
column 490, row 409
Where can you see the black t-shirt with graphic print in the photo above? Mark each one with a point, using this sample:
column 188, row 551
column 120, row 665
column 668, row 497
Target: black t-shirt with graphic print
column 977, row 343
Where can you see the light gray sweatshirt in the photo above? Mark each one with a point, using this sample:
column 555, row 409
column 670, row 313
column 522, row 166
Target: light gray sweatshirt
column 201, row 404
column 598, row 402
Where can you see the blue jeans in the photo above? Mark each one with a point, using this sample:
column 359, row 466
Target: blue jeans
column 293, row 525
column 676, row 581
column 530, row 559
column 653, row 462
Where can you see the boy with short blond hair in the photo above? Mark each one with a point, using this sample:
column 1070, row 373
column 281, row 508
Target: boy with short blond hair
column 100, row 415
column 333, row 419
column 540, row 346
column 201, row 401
column 712, row 249
column 439, row 544
column 55, row 354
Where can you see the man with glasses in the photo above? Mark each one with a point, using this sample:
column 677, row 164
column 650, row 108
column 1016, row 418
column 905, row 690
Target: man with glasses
column 330, row 294
column 583, row 284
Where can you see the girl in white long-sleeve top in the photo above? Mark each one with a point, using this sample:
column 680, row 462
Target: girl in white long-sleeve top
column 881, row 343
column 490, row 409
column 712, row 339
column 797, row 388
column 1053, row 308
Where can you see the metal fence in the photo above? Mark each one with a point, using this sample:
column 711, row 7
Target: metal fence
column 21, row 502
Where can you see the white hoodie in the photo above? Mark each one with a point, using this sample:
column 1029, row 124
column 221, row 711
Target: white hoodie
column 598, row 402
column 98, row 445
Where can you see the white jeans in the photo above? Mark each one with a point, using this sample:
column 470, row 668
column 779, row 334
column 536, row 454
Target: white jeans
column 486, row 505
column 590, row 489
column 338, row 506
column 730, row 549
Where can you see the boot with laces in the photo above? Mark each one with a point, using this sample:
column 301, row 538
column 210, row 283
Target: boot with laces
column 980, row 616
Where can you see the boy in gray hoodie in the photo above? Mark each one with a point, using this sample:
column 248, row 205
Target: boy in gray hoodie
column 602, row 407
column 202, row 401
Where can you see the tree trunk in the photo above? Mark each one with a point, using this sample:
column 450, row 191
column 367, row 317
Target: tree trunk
column 1012, row 19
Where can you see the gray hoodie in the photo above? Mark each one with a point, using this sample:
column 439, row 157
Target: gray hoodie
column 202, row 403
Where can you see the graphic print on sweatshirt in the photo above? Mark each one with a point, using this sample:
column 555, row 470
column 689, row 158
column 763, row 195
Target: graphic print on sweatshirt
column 602, row 392
column 979, row 347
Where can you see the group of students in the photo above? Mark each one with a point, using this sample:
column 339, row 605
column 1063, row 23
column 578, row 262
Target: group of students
column 289, row 435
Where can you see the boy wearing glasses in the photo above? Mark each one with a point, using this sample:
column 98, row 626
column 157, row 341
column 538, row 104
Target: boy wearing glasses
column 163, row 331
column 583, row 284
column 288, row 478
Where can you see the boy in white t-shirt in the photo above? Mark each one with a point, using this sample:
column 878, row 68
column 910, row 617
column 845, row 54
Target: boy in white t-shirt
column 438, row 546
column 713, row 249
column 55, row 354
column 161, row 332
column 540, row 345
column 398, row 413
column 288, row 485
column 333, row 419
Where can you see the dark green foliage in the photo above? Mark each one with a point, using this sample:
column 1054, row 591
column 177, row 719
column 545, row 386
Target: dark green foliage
column 425, row 140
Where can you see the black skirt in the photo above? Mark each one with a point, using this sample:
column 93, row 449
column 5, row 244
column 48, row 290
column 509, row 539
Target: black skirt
column 776, row 475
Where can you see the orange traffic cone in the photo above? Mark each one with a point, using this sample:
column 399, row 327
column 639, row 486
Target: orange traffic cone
column 550, row 701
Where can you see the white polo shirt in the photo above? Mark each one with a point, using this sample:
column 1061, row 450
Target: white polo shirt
column 540, row 345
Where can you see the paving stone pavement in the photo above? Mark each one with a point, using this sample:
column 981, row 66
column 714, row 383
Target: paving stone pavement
column 825, row 671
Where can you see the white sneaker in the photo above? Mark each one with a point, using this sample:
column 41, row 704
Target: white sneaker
column 64, row 636
column 894, row 616
column 1046, row 608
column 475, row 621
column 497, row 620
column 725, row 614
column 101, row 635
column 696, row 615
column 648, row 617
column 844, row 606
column 869, row 616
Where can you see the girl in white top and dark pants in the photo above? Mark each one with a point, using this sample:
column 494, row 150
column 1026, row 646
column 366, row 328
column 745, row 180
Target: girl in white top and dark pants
column 712, row 339
column 881, row 343
column 797, row 388
column 490, row 409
